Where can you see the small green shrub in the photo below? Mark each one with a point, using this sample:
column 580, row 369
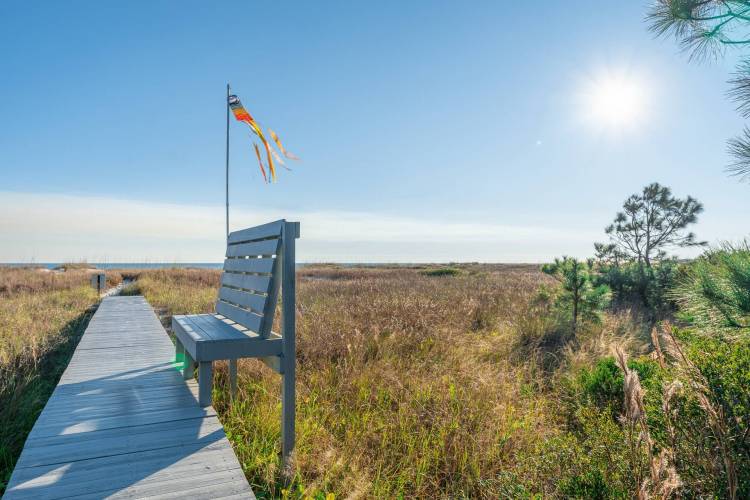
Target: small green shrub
column 635, row 283
column 602, row 385
column 131, row 289
column 68, row 266
column 725, row 369
column 441, row 271
column 590, row 461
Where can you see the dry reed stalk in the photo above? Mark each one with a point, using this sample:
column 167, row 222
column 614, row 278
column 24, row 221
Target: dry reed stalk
column 663, row 480
column 669, row 392
column 657, row 348
column 715, row 413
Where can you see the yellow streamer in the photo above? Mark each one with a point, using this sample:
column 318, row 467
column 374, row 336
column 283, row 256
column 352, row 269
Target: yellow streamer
column 281, row 147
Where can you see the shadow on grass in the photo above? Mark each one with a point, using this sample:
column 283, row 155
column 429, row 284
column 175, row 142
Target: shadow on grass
column 28, row 391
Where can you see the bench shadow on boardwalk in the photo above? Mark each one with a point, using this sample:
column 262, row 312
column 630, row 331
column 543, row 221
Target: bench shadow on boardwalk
column 122, row 422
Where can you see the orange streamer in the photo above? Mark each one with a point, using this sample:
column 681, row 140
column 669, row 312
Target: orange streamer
column 260, row 163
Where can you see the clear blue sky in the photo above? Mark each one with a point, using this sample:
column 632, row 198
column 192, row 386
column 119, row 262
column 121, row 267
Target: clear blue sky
column 428, row 130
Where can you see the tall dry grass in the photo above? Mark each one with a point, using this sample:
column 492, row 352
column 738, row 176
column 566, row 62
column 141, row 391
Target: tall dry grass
column 432, row 382
column 174, row 291
column 42, row 314
column 410, row 384
column 15, row 280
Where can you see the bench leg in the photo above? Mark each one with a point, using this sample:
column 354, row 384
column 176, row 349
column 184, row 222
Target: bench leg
column 233, row 378
column 188, row 367
column 287, row 408
column 205, row 382
column 179, row 351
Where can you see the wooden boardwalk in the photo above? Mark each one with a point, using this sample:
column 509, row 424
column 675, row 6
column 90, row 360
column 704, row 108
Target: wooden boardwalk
column 122, row 423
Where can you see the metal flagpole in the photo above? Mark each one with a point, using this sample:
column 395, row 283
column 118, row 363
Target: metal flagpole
column 227, row 166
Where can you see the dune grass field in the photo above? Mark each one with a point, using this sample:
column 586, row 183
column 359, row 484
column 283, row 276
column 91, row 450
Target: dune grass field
column 431, row 381
column 404, row 380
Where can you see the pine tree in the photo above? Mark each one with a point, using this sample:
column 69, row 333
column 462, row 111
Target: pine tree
column 706, row 29
column 649, row 223
column 579, row 297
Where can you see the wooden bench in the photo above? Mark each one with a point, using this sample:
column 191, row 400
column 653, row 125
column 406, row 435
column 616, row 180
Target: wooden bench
column 260, row 263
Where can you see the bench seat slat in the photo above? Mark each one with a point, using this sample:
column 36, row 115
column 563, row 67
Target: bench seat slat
column 258, row 232
column 254, row 249
column 192, row 334
column 216, row 329
column 264, row 265
column 248, row 319
column 245, row 299
column 246, row 281
column 220, row 340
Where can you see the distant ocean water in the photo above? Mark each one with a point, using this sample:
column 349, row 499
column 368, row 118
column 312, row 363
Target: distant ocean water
column 126, row 265
column 130, row 265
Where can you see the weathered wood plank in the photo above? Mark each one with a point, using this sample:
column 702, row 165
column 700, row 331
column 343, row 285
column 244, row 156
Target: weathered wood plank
column 249, row 320
column 245, row 299
column 254, row 282
column 261, row 266
column 269, row 230
column 114, row 473
column 216, row 329
column 254, row 249
column 153, row 414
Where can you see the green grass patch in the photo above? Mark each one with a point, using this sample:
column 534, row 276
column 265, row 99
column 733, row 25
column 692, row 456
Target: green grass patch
column 441, row 271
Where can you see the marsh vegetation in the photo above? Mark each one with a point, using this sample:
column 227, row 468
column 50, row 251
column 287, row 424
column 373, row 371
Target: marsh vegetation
column 413, row 383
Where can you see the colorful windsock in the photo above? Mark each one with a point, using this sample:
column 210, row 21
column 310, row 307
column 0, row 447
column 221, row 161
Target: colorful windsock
column 241, row 114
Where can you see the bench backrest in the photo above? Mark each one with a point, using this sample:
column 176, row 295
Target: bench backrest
column 252, row 274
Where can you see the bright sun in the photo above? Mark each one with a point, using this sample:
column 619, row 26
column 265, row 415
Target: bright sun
column 615, row 101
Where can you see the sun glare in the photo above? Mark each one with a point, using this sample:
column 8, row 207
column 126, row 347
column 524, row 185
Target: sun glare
column 615, row 101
